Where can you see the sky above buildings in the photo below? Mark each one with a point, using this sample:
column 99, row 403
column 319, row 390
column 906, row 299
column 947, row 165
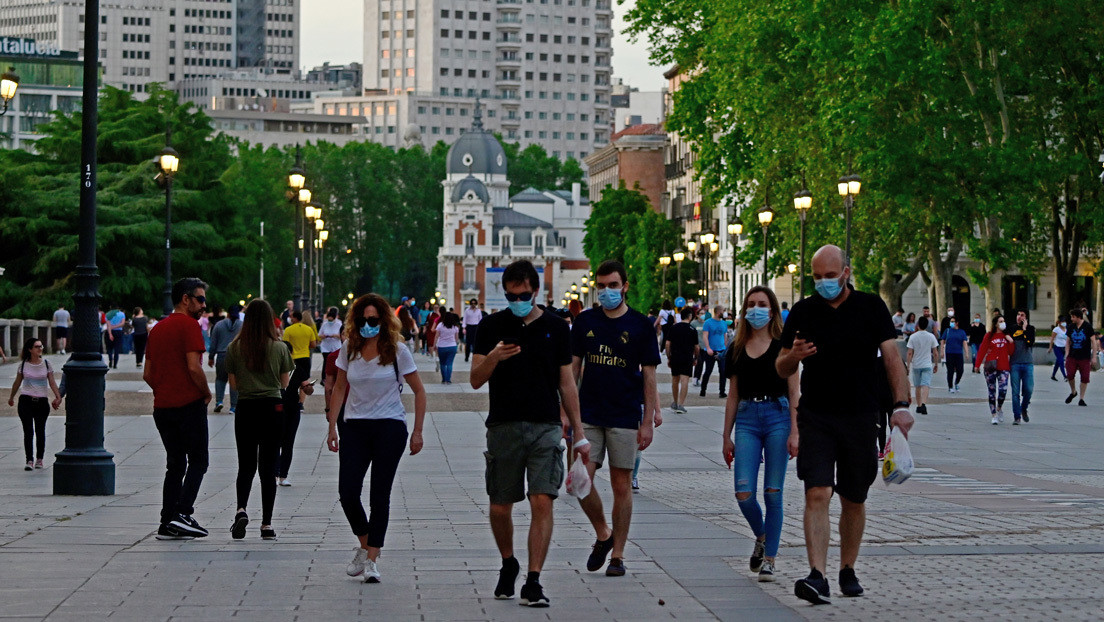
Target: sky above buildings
column 334, row 34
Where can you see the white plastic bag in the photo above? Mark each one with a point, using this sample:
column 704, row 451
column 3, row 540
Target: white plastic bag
column 897, row 466
column 578, row 480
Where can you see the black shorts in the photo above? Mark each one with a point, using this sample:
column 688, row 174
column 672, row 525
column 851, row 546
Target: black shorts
column 838, row 451
column 61, row 332
column 680, row 368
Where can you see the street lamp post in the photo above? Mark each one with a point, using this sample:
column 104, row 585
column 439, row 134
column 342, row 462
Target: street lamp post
column 316, row 273
column 168, row 161
column 84, row 467
column 692, row 251
column 323, row 236
column 848, row 187
column 766, row 215
column 678, row 256
column 664, row 261
column 734, row 231
column 707, row 239
column 792, row 269
column 9, row 84
column 298, row 195
column 803, row 200
column 310, row 212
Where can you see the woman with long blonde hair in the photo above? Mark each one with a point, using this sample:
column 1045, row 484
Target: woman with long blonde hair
column 368, row 426
column 762, row 408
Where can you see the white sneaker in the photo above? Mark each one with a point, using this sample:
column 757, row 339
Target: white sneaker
column 371, row 572
column 283, row 481
column 766, row 572
column 996, row 420
column 1000, row 416
column 356, row 567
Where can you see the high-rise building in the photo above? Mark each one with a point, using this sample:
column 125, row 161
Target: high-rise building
column 145, row 41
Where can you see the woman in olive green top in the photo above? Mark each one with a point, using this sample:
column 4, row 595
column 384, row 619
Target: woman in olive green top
column 258, row 366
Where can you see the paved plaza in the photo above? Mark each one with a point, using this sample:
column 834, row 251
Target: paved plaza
column 1000, row 522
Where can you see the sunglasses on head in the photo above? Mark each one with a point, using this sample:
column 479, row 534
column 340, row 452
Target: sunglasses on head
column 524, row 297
column 370, row 321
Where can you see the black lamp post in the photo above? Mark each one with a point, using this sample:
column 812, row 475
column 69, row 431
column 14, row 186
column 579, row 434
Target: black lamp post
column 9, row 84
column 707, row 239
column 848, row 187
column 84, row 467
column 168, row 161
column 678, row 256
column 298, row 194
column 766, row 215
column 664, row 261
column 803, row 200
column 734, row 231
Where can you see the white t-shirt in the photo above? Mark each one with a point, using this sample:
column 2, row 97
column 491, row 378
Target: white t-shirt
column 921, row 344
column 330, row 332
column 665, row 316
column 1059, row 337
column 373, row 389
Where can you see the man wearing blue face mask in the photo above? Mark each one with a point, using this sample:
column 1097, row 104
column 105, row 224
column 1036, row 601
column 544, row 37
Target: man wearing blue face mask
column 614, row 352
column 836, row 336
column 714, row 329
column 524, row 353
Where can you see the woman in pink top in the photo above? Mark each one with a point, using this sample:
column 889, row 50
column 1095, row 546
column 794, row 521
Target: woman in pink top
column 448, row 331
column 34, row 376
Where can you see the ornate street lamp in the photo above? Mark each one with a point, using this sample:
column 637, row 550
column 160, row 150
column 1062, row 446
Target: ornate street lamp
column 803, row 200
column 734, row 231
column 678, row 256
column 792, row 269
column 9, row 84
column 168, row 161
column 848, row 187
column 298, row 194
column 664, row 261
column 766, row 215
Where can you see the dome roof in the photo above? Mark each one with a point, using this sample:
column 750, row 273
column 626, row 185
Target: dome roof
column 469, row 183
column 477, row 152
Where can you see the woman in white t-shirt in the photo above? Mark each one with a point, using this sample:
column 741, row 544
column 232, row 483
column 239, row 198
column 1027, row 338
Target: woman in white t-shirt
column 36, row 378
column 1058, row 346
column 370, row 421
column 330, row 334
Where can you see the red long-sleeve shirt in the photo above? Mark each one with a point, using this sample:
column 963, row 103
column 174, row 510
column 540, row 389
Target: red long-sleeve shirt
column 995, row 347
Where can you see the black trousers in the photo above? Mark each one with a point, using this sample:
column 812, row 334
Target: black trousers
column 258, row 425
column 33, row 412
column 954, row 369
column 184, row 433
column 718, row 359
column 140, row 346
column 375, row 443
column 292, row 414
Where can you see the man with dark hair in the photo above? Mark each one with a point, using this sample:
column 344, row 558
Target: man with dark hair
column 174, row 370
column 1081, row 346
column 836, row 336
column 524, row 353
column 615, row 354
column 1022, row 362
column 682, row 351
column 472, row 317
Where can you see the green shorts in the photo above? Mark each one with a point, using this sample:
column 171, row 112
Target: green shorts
column 520, row 453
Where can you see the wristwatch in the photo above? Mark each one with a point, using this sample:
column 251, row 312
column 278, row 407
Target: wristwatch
column 901, row 405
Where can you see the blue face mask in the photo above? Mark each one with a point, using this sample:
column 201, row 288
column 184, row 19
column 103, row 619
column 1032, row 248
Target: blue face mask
column 829, row 289
column 610, row 299
column 368, row 332
column 757, row 317
column 521, row 308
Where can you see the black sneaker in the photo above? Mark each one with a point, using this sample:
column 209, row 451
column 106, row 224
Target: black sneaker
column 756, row 563
column 237, row 530
column 616, row 567
column 1025, row 417
column 507, row 576
column 1070, row 398
column 813, row 588
column 598, row 554
column 1081, row 403
column 218, row 407
column 270, row 534
column 188, row 526
column 849, row 583
column 532, row 595
column 168, row 532
column 922, row 409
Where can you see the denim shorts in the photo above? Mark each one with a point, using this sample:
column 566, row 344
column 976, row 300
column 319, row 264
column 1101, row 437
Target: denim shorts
column 921, row 376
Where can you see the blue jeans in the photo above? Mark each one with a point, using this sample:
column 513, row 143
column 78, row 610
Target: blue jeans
column 446, row 355
column 1023, row 377
column 762, row 427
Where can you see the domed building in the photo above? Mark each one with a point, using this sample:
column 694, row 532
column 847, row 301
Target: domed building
column 485, row 228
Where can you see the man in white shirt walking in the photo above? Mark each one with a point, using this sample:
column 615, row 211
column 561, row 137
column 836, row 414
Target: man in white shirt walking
column 61, row 328
column 923, row 361
column 472, row 317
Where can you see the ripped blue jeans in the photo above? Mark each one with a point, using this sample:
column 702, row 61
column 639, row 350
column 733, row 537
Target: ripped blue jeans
column 762, row 428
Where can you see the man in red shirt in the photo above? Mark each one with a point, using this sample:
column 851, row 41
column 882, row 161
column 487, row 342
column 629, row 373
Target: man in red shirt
column 174, row 370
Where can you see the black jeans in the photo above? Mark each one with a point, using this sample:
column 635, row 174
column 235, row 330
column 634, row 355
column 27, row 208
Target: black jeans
column 718, row 359
column 258, row 424
column 140, row 346
column 292, row 412
column 184, row 433
column 954, row 369
column 33, row 412
column 469, row 339
column 378, row 443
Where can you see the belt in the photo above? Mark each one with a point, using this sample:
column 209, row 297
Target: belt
column 34, row 398
column 763, row 398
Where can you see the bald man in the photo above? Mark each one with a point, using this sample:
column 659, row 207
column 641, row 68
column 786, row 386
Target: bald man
column 836, row 335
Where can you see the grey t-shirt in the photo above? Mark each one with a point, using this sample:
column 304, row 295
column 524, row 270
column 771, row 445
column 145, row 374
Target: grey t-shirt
column 61, row 318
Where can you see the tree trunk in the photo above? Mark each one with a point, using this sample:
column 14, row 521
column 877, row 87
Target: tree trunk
column 891, row 289
column 992, row 295
column 942, row 275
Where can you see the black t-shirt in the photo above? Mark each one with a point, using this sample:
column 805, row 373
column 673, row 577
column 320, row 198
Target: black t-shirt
column 1080, row 341
column 839, row 378
column 614, row 351
column 758, row 377
column 525, row 387
column 140, row 324
column 682, row 338
column 977, row 334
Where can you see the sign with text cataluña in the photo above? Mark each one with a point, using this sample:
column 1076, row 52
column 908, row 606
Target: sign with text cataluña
column 22, row 46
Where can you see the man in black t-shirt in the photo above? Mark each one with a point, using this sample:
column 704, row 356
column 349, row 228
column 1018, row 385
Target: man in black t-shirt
column 682, row 351
column 615, row 354
column 524, row 353
column 836, row 335
column 1081, row 347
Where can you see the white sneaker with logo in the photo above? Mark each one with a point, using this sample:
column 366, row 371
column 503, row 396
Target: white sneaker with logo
column 356, row 567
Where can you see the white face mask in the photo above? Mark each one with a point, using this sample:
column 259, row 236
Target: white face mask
column 950, row 313
column 1002, row 326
